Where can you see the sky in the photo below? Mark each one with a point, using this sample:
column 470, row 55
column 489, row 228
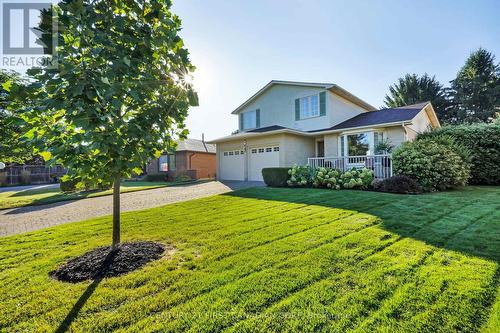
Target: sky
column 363, row 46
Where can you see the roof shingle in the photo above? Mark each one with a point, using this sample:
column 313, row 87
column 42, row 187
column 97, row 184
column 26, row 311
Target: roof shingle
column 384, row 116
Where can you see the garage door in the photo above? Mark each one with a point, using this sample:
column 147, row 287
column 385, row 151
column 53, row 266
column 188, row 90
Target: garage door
column 232, row 165
column 262, row 157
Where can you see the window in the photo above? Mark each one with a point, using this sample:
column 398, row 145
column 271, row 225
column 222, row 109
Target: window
column 254, row 151
column 276, row 148
column 242, row 152
column 309, row 106
column 163, row 163
column 236, row 152
column 172, row 162
column 342, row 145
column 269, row 149
column 249, row 119
column 358, row 144
column 225, row 153
column 378, row 137
column 261, row 150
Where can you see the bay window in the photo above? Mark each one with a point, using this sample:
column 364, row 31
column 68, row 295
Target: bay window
column 358, row 144
column 361, row 144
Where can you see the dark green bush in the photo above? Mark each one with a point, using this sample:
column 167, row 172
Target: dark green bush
column 67, row 184
column 397, row 184
column 436, row 164
column 275, row 177
column 156, row 177
column 483, row 143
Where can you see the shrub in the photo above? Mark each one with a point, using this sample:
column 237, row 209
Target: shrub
column 435, row 164
column 275, row 177
column 25, row 177
column 483, row 143
column 299, row 176
column 355, row 178
column 156, row 177
column 326, row 177
column 183, row 178
column 67, row 184
column 397, row 184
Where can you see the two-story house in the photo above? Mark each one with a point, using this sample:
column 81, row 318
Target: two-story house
column 287, row 123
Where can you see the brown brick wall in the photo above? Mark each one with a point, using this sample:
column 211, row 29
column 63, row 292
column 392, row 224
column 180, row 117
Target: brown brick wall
column 194, row 164
column 203, row 163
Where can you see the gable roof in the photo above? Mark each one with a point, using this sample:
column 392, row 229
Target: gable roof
column 384, row 116
column 328, row 86
column 195, row 145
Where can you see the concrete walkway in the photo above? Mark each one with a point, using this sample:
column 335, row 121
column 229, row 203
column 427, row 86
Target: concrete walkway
column 23, row 219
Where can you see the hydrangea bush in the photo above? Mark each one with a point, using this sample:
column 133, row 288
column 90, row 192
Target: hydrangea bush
column 357, row 178
column 299, row 176
column 330, row 178
column 326, row 177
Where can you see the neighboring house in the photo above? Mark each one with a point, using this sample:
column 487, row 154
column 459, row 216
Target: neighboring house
column 194, row 158
column 287, row 123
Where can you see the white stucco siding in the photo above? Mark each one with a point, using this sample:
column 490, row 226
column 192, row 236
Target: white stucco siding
column 331, row 145
column 341, row 109
column 421, row 122
column 396, row 135
column 277, row 107
column 297, row 149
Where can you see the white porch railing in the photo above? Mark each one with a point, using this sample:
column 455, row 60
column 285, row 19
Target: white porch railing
column 381, row 165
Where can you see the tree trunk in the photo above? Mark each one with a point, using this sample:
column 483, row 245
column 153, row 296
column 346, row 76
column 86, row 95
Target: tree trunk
column 116, row 212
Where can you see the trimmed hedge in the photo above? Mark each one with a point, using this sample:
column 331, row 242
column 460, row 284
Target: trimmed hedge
column 397, row 184
column 156, row 177
column 275, row 177
column 436, row 164
column 483, row 142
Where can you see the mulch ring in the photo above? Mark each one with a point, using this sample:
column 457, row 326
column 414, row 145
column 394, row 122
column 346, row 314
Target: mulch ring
column 102, row 262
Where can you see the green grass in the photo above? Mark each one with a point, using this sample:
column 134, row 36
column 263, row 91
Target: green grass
column 266, row 260
column 13, row 199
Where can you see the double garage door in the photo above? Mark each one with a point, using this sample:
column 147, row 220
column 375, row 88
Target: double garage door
column 233, row 162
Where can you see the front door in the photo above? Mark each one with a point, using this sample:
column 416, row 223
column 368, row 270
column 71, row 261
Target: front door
column 320, row 149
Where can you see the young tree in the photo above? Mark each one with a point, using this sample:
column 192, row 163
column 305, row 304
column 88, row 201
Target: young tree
column 475, row 92
column 119, row 94
column 412, row 89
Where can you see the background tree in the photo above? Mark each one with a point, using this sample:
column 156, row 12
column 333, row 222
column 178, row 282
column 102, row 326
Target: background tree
column 475, row 92
column 412, row 89
column 13, row 148
column 119, row 94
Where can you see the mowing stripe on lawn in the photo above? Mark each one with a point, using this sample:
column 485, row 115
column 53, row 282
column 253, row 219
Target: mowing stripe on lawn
column 250, row 262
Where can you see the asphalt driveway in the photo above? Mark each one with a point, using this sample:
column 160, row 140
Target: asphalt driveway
column 24, row 219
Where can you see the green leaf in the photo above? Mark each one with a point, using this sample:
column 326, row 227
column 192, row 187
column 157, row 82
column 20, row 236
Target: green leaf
column 7, row 85
column 46, row 155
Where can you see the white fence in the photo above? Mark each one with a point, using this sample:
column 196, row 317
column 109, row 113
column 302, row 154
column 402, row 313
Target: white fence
column 33, row 174
column 381, row 165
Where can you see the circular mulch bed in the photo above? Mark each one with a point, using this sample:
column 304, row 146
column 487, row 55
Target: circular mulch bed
column 102, row 262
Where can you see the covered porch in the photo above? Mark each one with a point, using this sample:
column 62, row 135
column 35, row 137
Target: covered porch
column 381, row 165
column 364, row 148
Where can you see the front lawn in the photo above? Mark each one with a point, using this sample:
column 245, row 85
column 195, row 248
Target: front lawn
column 264, row 260
column 13, row 199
